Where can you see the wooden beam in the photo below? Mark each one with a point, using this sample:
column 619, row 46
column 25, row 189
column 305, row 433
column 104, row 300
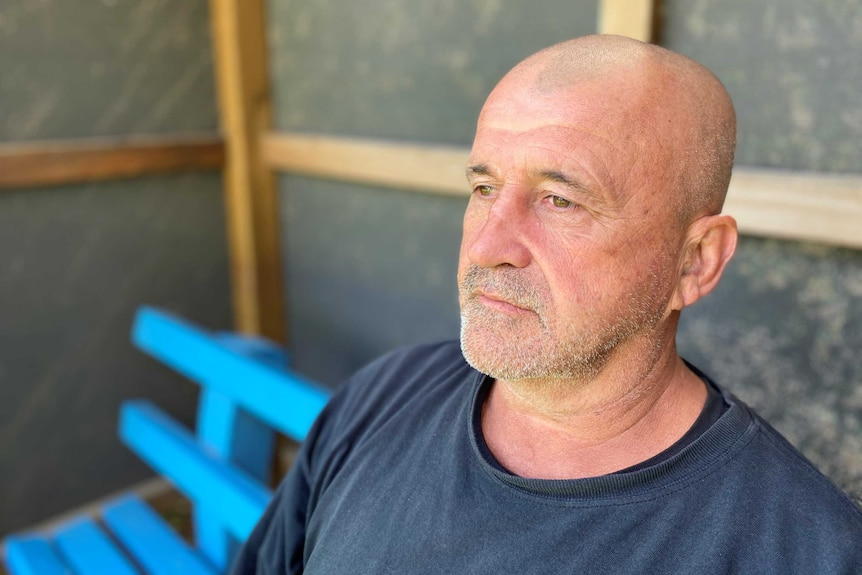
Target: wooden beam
column 791, row 205
column 52, row 163
column 806, row 206
column 239, row 36
column 426, row 168
column 632, row 18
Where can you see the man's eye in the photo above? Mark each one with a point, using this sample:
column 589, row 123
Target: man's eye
column 483, row 190
column 560, row 202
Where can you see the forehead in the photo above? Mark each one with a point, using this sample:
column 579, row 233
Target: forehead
column 517, row 106
column 586, row 142
column 575, row 152
column 617, row 107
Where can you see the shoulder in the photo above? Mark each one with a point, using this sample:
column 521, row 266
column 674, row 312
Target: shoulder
column 407, row 380
column 438, row 355
column 789, row 466
column 773, row 505
column 776, row 481
column 404, row 369
column 767, row 452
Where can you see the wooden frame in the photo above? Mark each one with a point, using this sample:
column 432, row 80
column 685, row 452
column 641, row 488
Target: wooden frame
column 238, row 31
column 39, row 164
column 241, row 71
column 808, row 206
column 402, row 165
column 798, row 206
column 633, row 18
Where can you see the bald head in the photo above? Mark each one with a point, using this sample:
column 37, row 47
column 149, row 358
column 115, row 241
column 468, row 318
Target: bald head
column 673, row 108
column 597, row 173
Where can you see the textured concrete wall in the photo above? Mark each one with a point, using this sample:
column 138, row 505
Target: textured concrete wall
column 792, row 68
column 76, row 261
column 80, row 69
column 404, row 68
column 370, row 269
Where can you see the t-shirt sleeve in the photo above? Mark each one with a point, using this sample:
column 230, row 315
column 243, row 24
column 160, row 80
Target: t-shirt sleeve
column 277, row 543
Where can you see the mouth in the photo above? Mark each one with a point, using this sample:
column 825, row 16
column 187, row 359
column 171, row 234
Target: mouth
column 498, row 303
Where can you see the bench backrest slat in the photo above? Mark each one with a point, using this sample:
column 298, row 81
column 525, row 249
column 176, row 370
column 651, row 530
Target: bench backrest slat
column 284, row 400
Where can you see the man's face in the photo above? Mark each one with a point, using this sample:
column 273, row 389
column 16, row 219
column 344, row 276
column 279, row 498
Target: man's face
column 568, row 251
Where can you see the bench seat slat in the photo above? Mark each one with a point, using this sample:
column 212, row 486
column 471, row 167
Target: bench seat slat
column 151, row 541
column 283, row 400
column 90, row 551
column 33, row 555
column 173, row 452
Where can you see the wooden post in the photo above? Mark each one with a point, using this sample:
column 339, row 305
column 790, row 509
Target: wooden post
column 632, row 18
column 239, row 32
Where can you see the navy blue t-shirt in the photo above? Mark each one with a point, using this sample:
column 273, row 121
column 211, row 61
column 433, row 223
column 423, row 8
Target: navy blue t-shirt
column 395, row 477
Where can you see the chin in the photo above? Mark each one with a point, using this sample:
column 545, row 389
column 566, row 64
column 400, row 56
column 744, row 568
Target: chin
column 510, row 356
column 513, row 354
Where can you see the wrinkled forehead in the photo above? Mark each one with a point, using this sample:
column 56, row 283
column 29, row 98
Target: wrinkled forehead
column 577, row 158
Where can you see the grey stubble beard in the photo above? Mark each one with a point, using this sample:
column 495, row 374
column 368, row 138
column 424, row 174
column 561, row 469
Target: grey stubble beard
column 547, row 350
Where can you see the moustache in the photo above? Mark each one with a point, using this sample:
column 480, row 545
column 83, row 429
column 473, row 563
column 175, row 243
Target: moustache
column 509, row 284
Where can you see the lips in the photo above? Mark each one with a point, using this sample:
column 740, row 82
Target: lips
column 499, row 290
column 500, row 303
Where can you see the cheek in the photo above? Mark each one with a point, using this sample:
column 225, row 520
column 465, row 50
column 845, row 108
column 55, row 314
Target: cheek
column 592, row 279
column 571, row 279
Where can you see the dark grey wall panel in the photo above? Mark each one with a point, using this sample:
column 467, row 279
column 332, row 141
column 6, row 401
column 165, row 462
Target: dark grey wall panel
column 76, row 264
column 407, row 68
column 793, row 69
column 368, row 270
column 80, row 69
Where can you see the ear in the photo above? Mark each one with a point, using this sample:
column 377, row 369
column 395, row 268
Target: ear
column 710, row 243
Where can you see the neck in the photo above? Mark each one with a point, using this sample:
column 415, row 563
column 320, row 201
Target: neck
column 571, row 430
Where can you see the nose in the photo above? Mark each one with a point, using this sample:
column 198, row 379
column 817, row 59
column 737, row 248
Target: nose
column 495, row 233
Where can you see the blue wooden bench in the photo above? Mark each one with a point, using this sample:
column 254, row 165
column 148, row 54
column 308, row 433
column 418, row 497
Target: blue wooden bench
column 247, row 396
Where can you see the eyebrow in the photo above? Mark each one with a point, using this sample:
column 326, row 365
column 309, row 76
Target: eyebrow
column 556, row 176
column 478, row 170
column 543, row 175
column 563, row 179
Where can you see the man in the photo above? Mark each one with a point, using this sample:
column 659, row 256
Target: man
column 573, row 439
